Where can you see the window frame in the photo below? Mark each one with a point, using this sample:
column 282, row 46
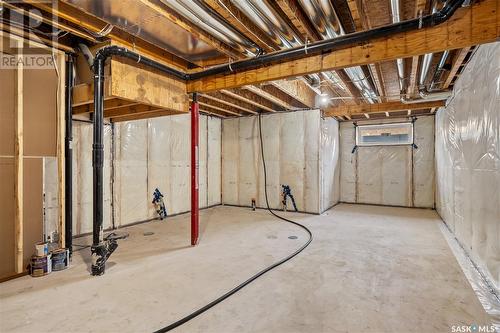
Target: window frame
column 411, row 140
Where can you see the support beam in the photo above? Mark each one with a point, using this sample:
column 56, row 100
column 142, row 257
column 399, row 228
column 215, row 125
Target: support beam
column 248, row 97
column 349, row 110
column 195, row 169
column 270, row 97
column 457, row 61
column 297, row 90
column 19, row 163
column 477, row 24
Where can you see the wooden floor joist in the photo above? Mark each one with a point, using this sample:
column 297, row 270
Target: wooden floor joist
column 379, row 107
column 298, row 90
column 248, row 97
column 270, row 97
column 476, row 24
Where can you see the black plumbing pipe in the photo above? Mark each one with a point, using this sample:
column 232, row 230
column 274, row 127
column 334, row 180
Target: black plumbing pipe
column 68, row 161
column 100, row 250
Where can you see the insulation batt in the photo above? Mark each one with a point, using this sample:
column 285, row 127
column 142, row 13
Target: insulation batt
column 149, row 154
column 389, row 175
column 301, row 150
column 468, row 160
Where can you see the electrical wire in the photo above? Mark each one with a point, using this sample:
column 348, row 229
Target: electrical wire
column 259, row 274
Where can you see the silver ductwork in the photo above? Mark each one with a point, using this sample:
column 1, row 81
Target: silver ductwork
column 327, row 23
column 427, row 94
column 198, row 13
column 268, row 20
column 396, row 18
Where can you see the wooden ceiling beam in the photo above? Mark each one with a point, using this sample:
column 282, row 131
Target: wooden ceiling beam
column 297, row 90
column 130, row 110
column 234, row 16
column 295, row 14
column 264, row 93
column 354, row 6
column 220, row 98
column 216, row 106
column 413, row 76
column 212, row 113
column 457, row 61
column 250, row 98
column 473, row 25
column 378, row 79
column 146, row 115
column 109, row 104
column 365, row 109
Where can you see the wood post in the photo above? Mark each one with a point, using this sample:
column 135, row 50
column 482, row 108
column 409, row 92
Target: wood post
column 60, row 63
column 19, row 162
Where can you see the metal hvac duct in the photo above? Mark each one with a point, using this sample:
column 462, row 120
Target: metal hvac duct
column 395, row 11
column 268, row 20
column 198, row 13
column 327, row 23
column 426, row 93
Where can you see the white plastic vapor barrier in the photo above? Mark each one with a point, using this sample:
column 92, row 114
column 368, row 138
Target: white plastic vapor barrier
column 291, row 148
column 388, row 175
column 330, row 163
column 468, row 161
column 82, row 177
column 155, row 153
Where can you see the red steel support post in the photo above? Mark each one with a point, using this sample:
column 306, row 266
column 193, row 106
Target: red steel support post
column 195, row 167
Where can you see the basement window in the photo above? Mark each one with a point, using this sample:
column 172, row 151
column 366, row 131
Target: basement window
column 384, row 134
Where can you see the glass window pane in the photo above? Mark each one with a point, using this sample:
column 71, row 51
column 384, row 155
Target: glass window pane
column 384, row 134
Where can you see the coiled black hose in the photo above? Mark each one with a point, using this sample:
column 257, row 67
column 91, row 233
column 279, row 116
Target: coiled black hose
column 259, row 274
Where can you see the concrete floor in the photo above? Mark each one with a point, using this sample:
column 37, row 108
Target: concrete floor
column 369, row 269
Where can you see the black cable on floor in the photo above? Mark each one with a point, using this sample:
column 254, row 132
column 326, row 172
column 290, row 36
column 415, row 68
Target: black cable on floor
column 259, row 274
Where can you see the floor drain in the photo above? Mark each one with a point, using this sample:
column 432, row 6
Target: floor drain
column 148, row 233
column 292, row 237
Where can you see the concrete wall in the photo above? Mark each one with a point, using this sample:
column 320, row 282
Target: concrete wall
column 468, row 160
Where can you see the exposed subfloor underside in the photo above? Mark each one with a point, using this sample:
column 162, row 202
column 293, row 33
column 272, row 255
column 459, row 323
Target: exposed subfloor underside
column 371, row 269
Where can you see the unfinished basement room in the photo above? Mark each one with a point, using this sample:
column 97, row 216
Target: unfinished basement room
column 220, row 166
